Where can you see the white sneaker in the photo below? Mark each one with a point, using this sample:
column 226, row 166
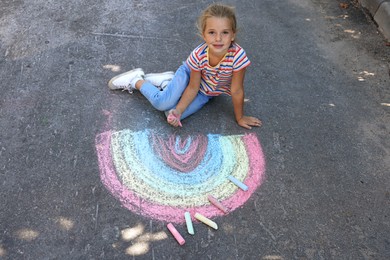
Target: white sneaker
column 160, row 80
column 127, row 80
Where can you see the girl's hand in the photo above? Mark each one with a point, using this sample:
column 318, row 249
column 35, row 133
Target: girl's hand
column 174, row 118
column 248, row 121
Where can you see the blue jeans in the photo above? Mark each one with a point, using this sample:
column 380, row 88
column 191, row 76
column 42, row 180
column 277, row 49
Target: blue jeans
column 168, row 98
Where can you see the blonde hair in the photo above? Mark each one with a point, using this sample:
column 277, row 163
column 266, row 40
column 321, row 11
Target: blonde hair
column 220, row 11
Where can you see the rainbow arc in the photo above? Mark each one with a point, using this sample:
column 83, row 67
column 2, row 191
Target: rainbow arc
column 163, row 177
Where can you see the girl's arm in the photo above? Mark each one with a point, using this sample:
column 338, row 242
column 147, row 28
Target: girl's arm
column 188, row 96
column 237, row 92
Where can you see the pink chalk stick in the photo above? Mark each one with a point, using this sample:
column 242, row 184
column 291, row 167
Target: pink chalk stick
column 172, row 116
column 218, row 204
column 176, row 234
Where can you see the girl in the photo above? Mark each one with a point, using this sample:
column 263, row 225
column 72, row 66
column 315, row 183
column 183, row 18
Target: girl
column 215, row 67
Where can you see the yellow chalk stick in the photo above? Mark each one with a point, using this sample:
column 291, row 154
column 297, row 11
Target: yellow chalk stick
column 206, row 221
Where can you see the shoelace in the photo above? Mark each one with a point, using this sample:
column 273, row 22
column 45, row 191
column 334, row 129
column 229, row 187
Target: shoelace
column 164, row 84
column 129, row 88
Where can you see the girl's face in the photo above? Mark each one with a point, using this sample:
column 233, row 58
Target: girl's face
column 218, row 35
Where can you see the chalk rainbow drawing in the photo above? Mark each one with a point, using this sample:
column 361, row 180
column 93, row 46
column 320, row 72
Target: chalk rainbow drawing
column 163, row 177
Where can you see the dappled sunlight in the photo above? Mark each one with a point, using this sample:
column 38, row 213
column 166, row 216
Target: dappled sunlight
column 153, row 237
column 112, row 67
column 27, row 234
column 129, row 234
column 363, row 75
column 134, row 241
column 272, row 257
column 3, row 252
column 343, row 16
column 353, row 33
column 65, row 224
column 140, row 248
column 139, row 239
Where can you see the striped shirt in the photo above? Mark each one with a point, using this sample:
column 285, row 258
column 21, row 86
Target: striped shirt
column 217, row 80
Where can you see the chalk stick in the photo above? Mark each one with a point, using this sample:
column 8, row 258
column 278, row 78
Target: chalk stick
column 172, row 116
column 238, row 183
column 176, row 234
column 206, row 221
column 216, row 203
column 190, row 227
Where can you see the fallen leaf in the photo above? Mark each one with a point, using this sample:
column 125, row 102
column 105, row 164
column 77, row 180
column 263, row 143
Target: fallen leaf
column 344, row 5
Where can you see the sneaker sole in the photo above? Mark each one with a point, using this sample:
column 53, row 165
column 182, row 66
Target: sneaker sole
column 112, row 86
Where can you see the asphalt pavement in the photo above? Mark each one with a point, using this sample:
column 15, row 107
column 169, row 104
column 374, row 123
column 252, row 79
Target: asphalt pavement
column 90, row 173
